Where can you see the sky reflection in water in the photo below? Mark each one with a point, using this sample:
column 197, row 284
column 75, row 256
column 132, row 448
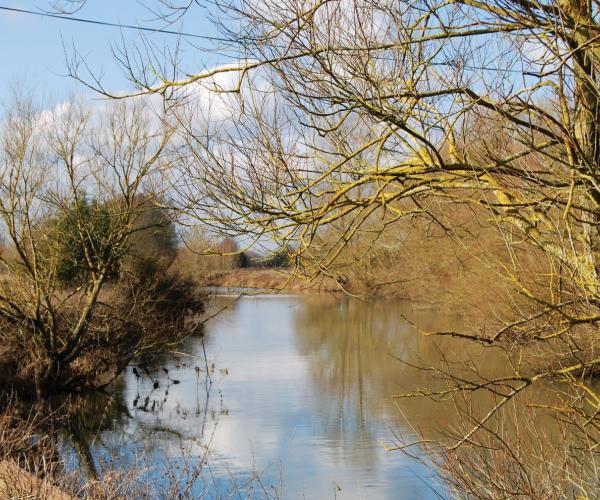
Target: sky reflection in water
column 300, row 394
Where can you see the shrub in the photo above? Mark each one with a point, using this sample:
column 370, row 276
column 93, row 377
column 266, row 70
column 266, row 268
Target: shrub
column 80, row 237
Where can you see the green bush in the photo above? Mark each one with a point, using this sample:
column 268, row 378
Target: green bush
column 82, row 237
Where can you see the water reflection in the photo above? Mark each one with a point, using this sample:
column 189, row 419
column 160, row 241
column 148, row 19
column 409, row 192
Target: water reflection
column 296, row 389
column 361, row 354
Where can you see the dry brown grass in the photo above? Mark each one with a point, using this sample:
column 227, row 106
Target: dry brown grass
column 284, row 279
column 29, row 460
column 16, row 482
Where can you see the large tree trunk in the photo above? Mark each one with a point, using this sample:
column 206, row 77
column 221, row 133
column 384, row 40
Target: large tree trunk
column 586, row 129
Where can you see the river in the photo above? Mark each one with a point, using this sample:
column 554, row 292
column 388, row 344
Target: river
column 282, row 396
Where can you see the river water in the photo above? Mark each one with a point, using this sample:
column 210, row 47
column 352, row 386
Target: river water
column 283, row 396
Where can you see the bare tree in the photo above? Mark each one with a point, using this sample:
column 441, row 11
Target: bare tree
column 363, row 113
column 51, row 160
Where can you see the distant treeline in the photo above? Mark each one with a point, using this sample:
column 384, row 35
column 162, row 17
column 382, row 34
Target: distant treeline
column 203, row 255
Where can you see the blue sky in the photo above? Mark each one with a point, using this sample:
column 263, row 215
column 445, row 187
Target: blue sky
column 33, row 51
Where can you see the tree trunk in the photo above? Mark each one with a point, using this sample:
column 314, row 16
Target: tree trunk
column 586, row 128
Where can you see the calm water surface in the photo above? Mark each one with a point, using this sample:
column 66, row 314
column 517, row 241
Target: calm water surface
column 299, row 396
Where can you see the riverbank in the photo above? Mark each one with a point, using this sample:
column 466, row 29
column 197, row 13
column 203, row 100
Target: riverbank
column 86, row 342
column 269, row 279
